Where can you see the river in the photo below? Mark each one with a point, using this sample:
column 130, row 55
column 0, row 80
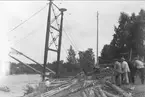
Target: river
column 17, row 83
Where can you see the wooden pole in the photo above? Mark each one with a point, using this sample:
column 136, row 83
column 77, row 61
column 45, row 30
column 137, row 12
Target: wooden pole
column 26, row 65
column 47, row 40
column 130, row 55
column 97, row 38
column 31, row 59
column 60, row 40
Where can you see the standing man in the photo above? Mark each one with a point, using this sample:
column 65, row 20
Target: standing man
column 140, row 67
column 132, row 71
column 118, row 71
column 125, row 71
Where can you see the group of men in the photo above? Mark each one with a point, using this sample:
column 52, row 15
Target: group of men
column 126, row 71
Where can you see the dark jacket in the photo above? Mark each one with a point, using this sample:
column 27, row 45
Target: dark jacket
column 132, row 67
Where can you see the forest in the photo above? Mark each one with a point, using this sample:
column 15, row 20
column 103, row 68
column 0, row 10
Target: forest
column 128, row 39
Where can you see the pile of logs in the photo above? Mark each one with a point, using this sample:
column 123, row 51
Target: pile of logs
column 81, row 88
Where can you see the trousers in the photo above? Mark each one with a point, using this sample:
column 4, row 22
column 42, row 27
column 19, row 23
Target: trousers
column 118, row 79
column 141, row 74
column 125, row 78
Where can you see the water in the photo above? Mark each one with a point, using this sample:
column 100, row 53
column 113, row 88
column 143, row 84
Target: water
column 17, row 83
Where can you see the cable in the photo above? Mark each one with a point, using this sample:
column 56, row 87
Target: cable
column 51, row 22
column 70, row 40
column 55, row 17
column 34, row 31
column 53, row 39
column 65, row 49
column 63, row 29
column 57, row 23
column 78, row 51
column 75, row 46
column 31, row 33
column 28, row 18
column 56, row 6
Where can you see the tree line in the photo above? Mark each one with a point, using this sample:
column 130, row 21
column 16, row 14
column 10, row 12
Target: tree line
column 128, row 39
column 71, row 67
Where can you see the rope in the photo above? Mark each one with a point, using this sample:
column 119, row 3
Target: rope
column 56, row 6
column 31, row 33
column 53, row 39
column 28, row 18
column 55, row 17
column 71, row 39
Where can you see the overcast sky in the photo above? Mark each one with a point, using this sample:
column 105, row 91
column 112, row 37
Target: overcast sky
column 80, row 23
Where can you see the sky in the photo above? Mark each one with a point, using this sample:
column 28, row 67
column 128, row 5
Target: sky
column 80, row 24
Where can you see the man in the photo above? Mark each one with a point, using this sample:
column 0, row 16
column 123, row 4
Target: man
column 118, row 71
column 125, row 71
column 140, row 67
column 132, row 72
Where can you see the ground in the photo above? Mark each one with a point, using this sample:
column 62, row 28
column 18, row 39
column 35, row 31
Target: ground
column 139, row 90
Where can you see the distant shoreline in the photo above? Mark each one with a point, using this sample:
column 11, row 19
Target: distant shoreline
column 22, row 74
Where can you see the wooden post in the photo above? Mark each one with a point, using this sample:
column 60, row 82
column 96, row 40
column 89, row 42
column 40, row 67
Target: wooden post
column 130, row 54
column 47, row 40
column 60, row 40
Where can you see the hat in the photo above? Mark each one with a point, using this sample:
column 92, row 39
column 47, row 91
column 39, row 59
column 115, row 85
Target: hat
column 115, row 59
column 123, row 58
column 136, row 58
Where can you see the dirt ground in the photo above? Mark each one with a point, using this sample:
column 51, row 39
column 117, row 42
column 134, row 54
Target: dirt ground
column 139, row 90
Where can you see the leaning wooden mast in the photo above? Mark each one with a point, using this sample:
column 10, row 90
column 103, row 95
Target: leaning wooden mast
column 47, row 40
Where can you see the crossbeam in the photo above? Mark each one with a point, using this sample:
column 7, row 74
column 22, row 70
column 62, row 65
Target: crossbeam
column 31, row 59
column 26, row 65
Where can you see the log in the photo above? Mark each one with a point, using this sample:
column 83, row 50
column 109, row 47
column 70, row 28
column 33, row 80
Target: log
column 34, row 94
column 109, row 94
column 62, row 91
column 79, row 89
column 58, row 92
column 86, row 92
column 97, row 93
column 117, row 89
column 101, row 92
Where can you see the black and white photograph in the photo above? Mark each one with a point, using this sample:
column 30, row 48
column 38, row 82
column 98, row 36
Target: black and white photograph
column 72, row 48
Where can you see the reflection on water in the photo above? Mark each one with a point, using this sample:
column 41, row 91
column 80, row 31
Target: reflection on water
column 17, row 83
column 4, row 51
